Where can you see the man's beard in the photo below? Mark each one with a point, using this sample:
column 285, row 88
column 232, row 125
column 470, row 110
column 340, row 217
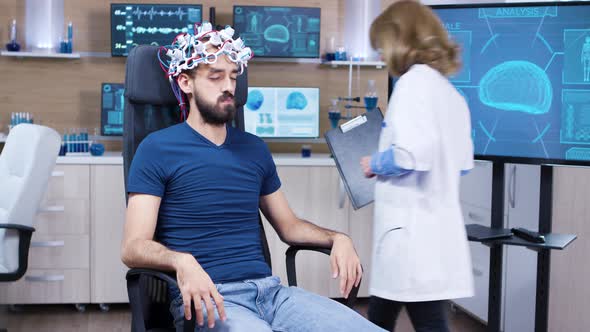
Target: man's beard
column 216, row 114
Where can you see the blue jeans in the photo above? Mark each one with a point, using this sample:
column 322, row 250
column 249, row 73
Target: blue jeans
column 264, row 305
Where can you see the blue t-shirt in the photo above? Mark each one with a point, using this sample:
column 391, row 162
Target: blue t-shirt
column 210, row 197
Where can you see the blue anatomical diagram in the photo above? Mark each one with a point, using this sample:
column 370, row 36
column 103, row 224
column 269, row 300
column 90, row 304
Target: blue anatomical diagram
column 296, row 101
column 277, row 33
column 519, row 86
column 255, row 100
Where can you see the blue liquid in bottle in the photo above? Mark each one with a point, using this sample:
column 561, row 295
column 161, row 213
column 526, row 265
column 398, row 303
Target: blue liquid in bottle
column 371, row 103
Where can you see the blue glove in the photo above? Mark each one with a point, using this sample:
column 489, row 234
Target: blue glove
column 465, row 172
column 383, row 163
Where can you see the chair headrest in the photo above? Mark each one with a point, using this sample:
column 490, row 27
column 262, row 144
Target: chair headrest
column 146, row 82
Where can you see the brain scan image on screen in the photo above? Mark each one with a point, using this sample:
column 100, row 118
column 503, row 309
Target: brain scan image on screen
column 525, row 76
column 255, row 100
column 516, row 86
column 296, row 101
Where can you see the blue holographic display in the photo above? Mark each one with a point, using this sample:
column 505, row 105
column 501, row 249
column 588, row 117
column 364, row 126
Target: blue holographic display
column 112, row 106
column 291, row 32
column 526, row 77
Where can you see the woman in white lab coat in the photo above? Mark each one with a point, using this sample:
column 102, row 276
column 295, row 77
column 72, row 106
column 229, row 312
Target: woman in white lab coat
column 420, row 254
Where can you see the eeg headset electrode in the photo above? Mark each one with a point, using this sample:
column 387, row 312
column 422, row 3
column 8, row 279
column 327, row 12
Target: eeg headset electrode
column 188, row 51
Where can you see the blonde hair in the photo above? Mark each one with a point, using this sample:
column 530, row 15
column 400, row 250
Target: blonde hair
column 409, row 33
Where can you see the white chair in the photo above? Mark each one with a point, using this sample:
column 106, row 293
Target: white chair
column 26, row 163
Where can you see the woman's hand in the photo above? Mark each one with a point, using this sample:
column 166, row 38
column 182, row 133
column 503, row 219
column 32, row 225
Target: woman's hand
column 366, row 166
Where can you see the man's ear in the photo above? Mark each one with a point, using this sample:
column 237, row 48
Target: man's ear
column 185, row 82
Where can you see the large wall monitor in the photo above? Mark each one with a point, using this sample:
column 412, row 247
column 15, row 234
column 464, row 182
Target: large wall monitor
column 526, row 78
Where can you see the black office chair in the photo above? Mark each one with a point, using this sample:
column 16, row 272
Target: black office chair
column 150, row 105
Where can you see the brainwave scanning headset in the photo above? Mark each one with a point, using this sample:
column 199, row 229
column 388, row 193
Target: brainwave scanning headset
column 188, row 51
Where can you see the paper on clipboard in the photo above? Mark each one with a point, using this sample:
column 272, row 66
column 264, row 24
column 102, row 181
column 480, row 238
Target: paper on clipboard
column 359, row 120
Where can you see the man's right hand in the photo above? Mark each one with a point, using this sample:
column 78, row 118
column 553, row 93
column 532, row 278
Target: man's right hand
column 196, row 286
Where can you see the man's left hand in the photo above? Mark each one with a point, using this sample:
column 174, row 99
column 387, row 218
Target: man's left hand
column 345, row 264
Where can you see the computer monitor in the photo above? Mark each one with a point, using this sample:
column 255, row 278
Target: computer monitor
column 112, row 106
column 526, row 78
column 282, row 112
column 150, row 24
column 281, row 32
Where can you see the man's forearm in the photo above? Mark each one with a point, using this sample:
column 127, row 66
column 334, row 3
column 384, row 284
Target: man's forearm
column 151, row 254
column 303, row 232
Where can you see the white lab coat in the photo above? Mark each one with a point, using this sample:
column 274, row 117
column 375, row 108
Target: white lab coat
column 420, row 250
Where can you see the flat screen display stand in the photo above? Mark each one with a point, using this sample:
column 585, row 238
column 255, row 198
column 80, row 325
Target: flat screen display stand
column 552, row 241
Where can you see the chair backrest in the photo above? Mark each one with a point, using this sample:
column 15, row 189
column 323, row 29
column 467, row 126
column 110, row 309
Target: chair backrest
column 26, row 163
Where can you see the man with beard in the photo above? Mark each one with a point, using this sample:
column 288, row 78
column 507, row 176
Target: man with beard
column 195, row 190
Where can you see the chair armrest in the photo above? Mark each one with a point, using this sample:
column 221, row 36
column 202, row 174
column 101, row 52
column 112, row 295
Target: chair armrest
column 292, row 273
column 24, row 234
column 135, row 298
column 20, row 228
column 291, row 253
column 136, row 273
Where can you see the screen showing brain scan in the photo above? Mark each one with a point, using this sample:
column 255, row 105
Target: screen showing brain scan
column 291, row 32
column 526, row 78
column 282, row 112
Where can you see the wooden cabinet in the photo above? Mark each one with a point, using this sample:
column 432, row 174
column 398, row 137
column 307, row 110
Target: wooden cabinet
column 48, row 286
column 521, row 208
column 360, row 223
column 570, row 268
column 315, row 194
column 107, row 273
column 59, row 259
column 312, row 193
column 75, row 253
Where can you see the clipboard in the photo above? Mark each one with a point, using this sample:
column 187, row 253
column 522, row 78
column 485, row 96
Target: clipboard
column 350, row 142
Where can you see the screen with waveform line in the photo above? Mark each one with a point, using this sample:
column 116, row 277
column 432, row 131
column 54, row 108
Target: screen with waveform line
column 150, row 24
